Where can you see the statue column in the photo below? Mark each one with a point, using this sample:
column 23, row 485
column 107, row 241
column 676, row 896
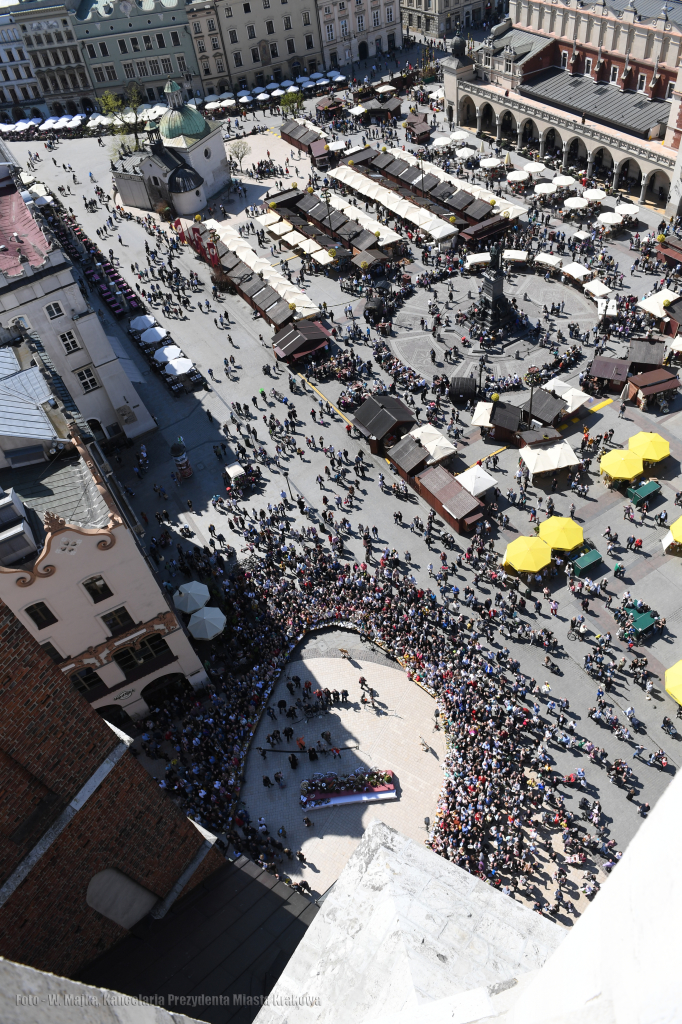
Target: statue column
column 564, row 160
column 642, row 194
column 542, row 147
column 479, row 118
column 590, row 164
column 519, row 139
column 498, row 129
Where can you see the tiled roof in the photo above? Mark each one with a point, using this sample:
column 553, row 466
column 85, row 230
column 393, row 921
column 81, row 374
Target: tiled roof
column 19, row 234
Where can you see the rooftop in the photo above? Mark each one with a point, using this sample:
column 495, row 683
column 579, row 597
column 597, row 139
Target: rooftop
column 524, row 44
column 21, row 239
column 65, row 487
column 630, row 111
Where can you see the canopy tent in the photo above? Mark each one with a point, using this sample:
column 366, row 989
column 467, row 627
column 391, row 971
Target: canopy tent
column 650, row 447
column 535, row 168
column 548, row 458
column 154, row 334
column 207, row 623
column 356, row 111
column 610, row 219
column 576, row 270
column 178, row 367
column 281, row 228
column 572, row 396
column 582, row 236
column 621, row 465
column 477, row 259
column 564, row 181
column 190, row 597
column 465, row 152
column 490, row 162
column 437, row 444
column 309, row 246
column 655, row 304
column 560, row 532
column 461, row 136
column 594, row 195
column 627, row 209
column 142, row 323
column 545, row 188
column 266, row 219
column 575, row 203
column 481, row 417
column 597, row 289
column 385, row 89
column 442, row 143
column 322, row 257
column 528, row 554
column 676, row 530
column 548, row 259
column 673, row 682
column 293, row 238
column 515, row 255
column 166, row 353
column 477, row 481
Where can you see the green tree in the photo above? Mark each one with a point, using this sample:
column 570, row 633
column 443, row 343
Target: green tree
column 122, row 109
column 238, row 150
column 291, row 103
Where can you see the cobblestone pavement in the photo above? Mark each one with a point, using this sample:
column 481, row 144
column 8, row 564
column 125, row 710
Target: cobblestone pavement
column 651, row 575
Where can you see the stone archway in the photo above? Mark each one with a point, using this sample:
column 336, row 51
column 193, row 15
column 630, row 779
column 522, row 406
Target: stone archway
column 488, row 119
column 508, row 126
column 529, row 136
column 363, row 50
column 551, row 145
column 657, row 184
column 71, row 107
column 603, row 164
column 629, row 176
column 467, row 111
column 575, row 154
column 164, row 688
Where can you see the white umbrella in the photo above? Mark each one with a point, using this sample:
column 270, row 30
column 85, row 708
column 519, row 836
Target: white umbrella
column 39, row 120
column 226, row 96
column 545, row 188
column 385, row 89
column 190, row 597
column 246, row 99
column 286, row 84
column 22, row 126
column 460, row 136
column 154, row 334
column 302, row 78
column 228, row 103
column 490, row 162
column 339, row 78
column 324, row 81
column 610, row 218
column 442, row 143
column 242, row 93
column 594, row 195
column 210, row 99
column 564, row 181
column 144, row 106
column 179, row 367
column 73, row 123
column 534, row 168
column 293, row 88
column 45, row 127
column 316, row 75
column 272, row 85
column 207, row 623
column 308, row 85
column 43, row 200
column 142, row 323
column 627, row 209
column 465, row 152
column 168, row 352
column 575, row 203
column 278, row 92
column 215, row 105
column 262, row 96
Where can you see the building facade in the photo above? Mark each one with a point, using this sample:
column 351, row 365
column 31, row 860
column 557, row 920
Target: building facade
column 89, row 844
column 438, row 19
column 20, row 94
column 591, row 89
column 242, row 45
column 353, row 31
column 49, row 38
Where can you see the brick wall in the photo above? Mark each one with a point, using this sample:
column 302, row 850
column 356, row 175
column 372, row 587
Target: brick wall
column 51, row 742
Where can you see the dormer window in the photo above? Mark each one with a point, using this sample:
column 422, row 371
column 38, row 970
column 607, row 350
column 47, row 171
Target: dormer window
column 588, row 66
column 564, row 58
column 507, row 65
column 487, row 60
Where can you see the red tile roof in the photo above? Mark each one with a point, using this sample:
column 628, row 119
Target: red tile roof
column 16, row 219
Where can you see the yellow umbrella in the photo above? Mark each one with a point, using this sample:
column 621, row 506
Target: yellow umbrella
column 649, row 446
column 673, row 682
column 621, row 465
column 528, row 554
column 676, row 530
column 562, row 533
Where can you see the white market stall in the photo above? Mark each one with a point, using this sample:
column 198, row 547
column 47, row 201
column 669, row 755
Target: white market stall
column 478, row 259
column 597, row 289
column 548, row 458
column 577, row 271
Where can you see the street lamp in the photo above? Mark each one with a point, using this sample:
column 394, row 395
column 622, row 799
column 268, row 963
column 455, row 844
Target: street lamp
column 326, row 195
column 286, row 477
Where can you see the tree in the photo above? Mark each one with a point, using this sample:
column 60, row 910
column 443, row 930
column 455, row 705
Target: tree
column 238, row 150
column 291, row 102
column 123, row 111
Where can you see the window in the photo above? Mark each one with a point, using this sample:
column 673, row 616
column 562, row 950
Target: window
column 122, row 46
column 118, row 620
column 361, row 23
column 210, row 24
column 251, row 31
column 274, row 52
column 270, row 28
column 54, row 310
column 564, row 58
column 389, row 14
column 98, row 589
column 247, row 8
column 206, row 68
column 160, row 41
column 142, row 68
column 343, row 27
column 151, row 647
column 330, row 32
column 266, row 4
column 641, row 83
column 233, row 36
column 86, row 679
column 147, row 40
column 306, row 18
column 69, row 341
column 175, row 38
column 376, row 18
column 197, row 28
column 228, row 12
column 237, row 58
column 287, row 24
column 670, row 90
column 201, row 45
column 104, row 52
column 507, row 65
column 99, row 74
column 327, row 10
column 182, row 63
column 219, row 65
column 215, row 42
column 167, row 65
column 291, row 45
column 89, row 47
column 41, row 615
column 110, row 72
column 255, row 54
column 52, row 652
column 154, row 67
column 135, row 44
column 588, row 66
column 87, row 379
column 309, row 43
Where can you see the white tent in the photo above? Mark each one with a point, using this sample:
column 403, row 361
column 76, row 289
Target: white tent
column 515, row 255
column 654, row 303
column 548, row 259
column 516, row 176
column 178, row 367
column 575, row 203
column 572, row 396
column 437, row 444
column 576, row 270
column 207, row 623
column 266, row 219
column 142, row 323
column 477, row 481
column 478, row 259
column 154, row 334
column 190, row 597
column 481, row 417
column 594, row 195
column 548, row 458
column 597, row 289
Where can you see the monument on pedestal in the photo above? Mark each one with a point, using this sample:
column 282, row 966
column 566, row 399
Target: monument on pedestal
column 492, row 311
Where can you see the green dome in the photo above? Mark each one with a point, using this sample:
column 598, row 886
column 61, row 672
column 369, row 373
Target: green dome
column 184, row 121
